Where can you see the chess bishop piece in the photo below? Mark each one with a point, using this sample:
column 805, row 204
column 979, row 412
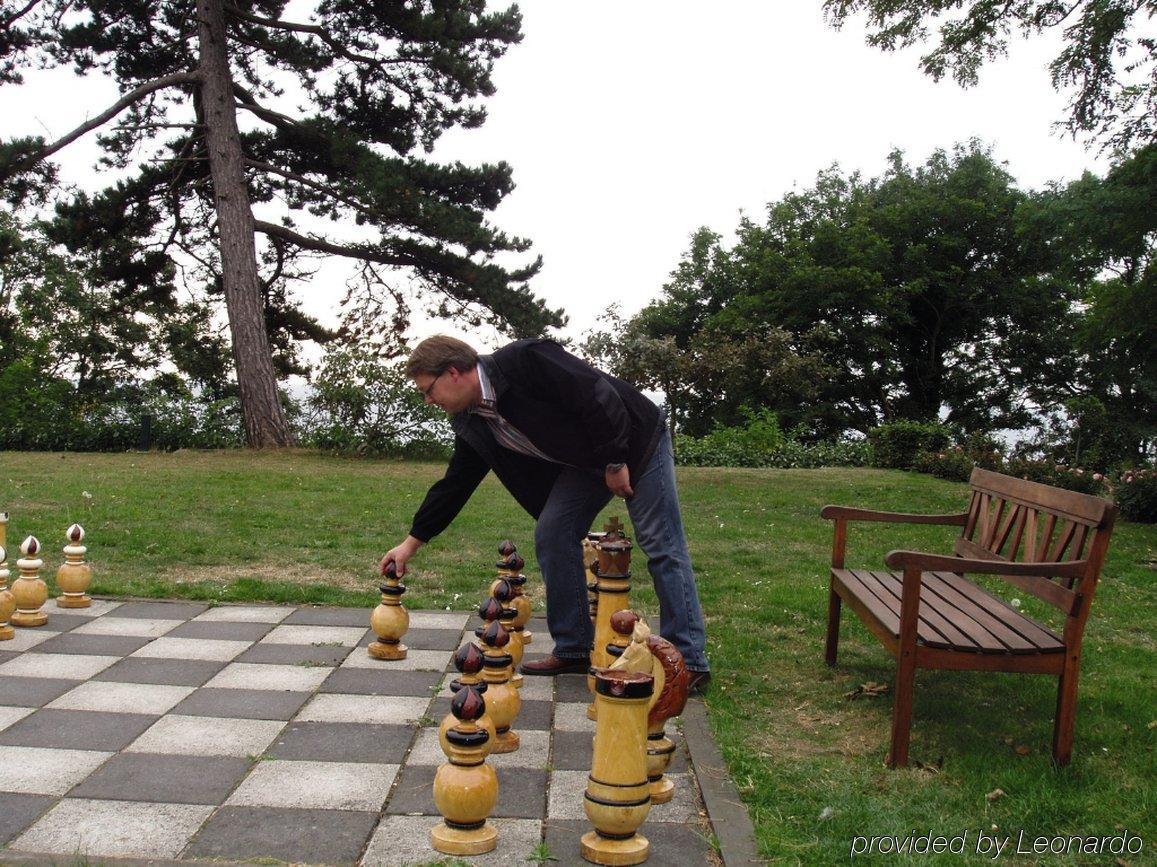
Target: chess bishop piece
column 468, row 659
column 390, row 620
column 590, row 563
column 465, row 787
column 658, row 657
column 622, row 622
column 74, row 576
column 612, row 570
column 29, row 589
column 510, row 568
column 502, row 699
column 618, row 796
column 503, row 592
column 7, row 600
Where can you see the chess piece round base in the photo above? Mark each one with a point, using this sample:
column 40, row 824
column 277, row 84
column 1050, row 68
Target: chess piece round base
column 516, row 680
column 455, row 841
column 36, row 618
column 603, row 850
column 7, row 633
column 592, row 711
column 506, row 742
column 70, row 601
column 380, row 650
column 662, row 791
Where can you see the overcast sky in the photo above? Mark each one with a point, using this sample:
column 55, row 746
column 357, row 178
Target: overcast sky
column 631, row 124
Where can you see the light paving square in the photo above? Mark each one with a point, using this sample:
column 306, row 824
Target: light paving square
column 533, row 750
column 572, row 717
column 99, row 608
column 216, row 650
column 245, row 614
column 134, row 626
column 439, row 619
column 383, row 710
column 79, row 829
column 114, row 697
column 9, row 715
column 207, row 736
column 566, row 795
column 405, row 840
column 25, row 639
column 243, row 675
column 40, row 771
column 416, row 660
column 316, row 785
column 318, row 636
column 683, row 806
column 62, row 666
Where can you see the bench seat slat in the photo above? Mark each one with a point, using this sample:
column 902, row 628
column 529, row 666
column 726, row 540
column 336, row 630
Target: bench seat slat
column 1000, row 615
column 933, row 629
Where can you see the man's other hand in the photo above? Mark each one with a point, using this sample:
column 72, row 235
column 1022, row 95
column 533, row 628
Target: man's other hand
column 619, row 482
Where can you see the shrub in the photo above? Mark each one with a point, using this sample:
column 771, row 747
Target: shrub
column 1136, row 494
column 954, row 464
column 896, row 445
column 761, row 443
column 1060, row 476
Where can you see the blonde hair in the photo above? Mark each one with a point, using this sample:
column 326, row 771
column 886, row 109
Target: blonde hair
column 435, row 355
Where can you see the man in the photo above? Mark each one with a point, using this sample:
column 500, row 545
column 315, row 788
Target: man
column 563, row 438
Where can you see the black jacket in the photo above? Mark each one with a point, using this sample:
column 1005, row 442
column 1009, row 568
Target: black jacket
column 578, row 415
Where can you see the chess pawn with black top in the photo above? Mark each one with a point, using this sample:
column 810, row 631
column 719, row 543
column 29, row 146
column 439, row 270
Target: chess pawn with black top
column 468, row 659
column 510, row 569
column 622, row 623
column 7, row 600
column 390, row 620
column 618, row 798
column 29, row 589
column 465, row 788
column 502, row 699
column 75, row 575
column 504, row 594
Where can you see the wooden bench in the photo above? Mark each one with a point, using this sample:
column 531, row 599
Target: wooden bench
column 929, row 615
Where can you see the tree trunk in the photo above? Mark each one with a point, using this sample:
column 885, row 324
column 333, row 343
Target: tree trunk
column 265, row 423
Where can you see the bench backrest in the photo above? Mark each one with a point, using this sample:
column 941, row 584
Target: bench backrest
column 1018, row 520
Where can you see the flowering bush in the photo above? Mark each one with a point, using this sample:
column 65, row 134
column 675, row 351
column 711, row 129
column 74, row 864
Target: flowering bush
column 954, row 464
column 1136, row 494
column 1058, row 475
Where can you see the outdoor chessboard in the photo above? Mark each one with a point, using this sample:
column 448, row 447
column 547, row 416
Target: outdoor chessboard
column 175, row 730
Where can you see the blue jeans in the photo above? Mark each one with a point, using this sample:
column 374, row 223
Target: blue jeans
column 575, row 501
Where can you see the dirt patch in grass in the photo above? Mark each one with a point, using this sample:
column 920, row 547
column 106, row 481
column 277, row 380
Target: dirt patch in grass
column 289, row 573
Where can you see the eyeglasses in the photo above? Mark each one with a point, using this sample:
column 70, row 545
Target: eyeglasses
column 428, row 390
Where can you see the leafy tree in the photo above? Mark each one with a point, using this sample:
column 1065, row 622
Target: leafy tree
column 1109, row 58
column 209, row 126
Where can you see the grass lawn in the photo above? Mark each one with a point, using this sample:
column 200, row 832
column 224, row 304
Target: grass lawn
column 301, row 527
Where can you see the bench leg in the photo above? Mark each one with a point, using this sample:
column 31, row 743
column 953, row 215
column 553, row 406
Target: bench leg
column 1066, row 719
column 833, row 626
column 902, row 710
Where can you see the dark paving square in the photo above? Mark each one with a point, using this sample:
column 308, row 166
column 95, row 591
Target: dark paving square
column 159, row 610
column 293, row 654
column 330, row 617
column 521, row 793
column 424, row 639
column 93, row 645
column 297, row 836
column 534, row 714
column 58, row 621
column 173, row 672
column 243, row 703
column 221, row 630
column 342, row 742
column 17, row 812
column 672, row 844
column 574, row 751
column 32, row 691
column 571, row 688
column 370, row 681
column 76, row 729
column 164, row 779
column 5, row 656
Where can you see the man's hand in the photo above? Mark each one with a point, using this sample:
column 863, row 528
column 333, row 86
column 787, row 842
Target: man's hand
column 619, row 482
column 400, row 555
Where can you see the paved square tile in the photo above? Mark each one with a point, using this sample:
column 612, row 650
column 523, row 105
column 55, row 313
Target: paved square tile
column 683, row 807
column 111, row 829
column 368, row 681
column 35, row 771
column 533, row 688
column 92, row 645
column 226, row 630
column 206, row 736
column 294, row 654
column 284, row 835
column 176, row 672
column 164, row 779
column 441, row 619
column 425, row 639
column 317, row 636
column 243, row 675
column 570, row 688
column 143, row 627
column 59, row 621
column 112, row 697
column 533, row 751
column 343, row 742
column 315, row 785
column 99, row 608
column 674, row 845
column 67, row 666
column 521, row 792
column 160, row 610
column 28, row 638
column 405, row 840
column 566, row 795
column 9, row 715
column 17, row 812
column 244, row 614
column 242, row 703
column 76, row 729
column 364, row 709
column 572, row 717
column 5, row 656
column 31, row 691
column 310, row 616
column 191, row 648
column 416, row 660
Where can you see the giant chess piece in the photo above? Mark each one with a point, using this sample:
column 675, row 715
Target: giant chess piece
column 622, row 623
column 7, row 600
column 74, row 576
column 618, row 797
column 590, row 564
column 502, row 699
column 658, row 657
column 503, row 593
column 510, row 568
column 390, row 620
column 465, row 788
column 3, row 537
column 612, row 570
column 469, row 660
column 29, row 589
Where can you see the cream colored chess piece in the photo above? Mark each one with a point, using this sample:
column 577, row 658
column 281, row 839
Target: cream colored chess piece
column 7, row 600
column 613, row 572
column 29, row 589
column 74, row 576
column 390, row 620
column 502, row 699
column 465, row 787
column 469, row 660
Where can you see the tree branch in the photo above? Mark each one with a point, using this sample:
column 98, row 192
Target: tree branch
column 16, row 16
column 306, row 182
column 311, row 29
column 321, row 245
column 249, row 102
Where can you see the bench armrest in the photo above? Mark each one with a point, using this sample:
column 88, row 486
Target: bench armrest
column 926, row 562
column 850, row 513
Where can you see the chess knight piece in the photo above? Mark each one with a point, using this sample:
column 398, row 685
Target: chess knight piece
column 7, row 600
column 612, row 569
column 465, row 788
column 390, row 620
column 74, row 576
column 510, row 569
column 622, row 622
column 618, row 796
column 502, row 699
column 658, row 657
column 468, row 659
column 29, row 589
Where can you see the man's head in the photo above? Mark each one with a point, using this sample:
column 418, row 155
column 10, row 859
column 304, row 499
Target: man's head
column 445, row 370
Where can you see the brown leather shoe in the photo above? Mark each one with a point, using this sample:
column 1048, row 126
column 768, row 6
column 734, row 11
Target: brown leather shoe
column 700, row 681
column 551, row 665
